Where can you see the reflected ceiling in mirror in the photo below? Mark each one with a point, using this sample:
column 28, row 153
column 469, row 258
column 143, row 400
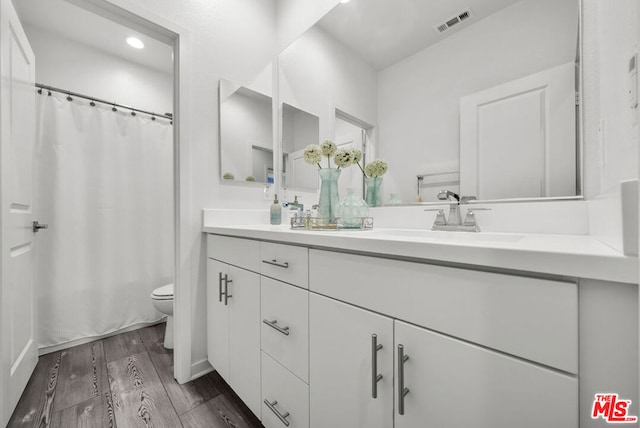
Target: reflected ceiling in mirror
column 246, row 134
column 409, row 67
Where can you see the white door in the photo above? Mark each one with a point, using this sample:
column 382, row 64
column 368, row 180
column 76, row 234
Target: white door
column 351, row 176
column 342, row 364
column 217, row 318
column 517, row 140
column 18, row 345
column 455, row 384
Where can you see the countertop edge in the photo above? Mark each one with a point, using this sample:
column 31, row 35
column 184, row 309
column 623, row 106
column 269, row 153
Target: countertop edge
column 604, row 267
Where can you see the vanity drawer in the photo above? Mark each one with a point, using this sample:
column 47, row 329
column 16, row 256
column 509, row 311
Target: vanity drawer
column 286, row 263
column 285, row 325
column 243, row 253
column 532, row 318
column 289, row 393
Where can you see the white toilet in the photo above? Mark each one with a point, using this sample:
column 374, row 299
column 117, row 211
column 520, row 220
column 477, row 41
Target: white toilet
column 162, row 298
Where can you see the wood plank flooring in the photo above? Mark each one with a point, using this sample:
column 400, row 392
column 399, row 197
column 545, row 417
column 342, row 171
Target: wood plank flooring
column 125, row 381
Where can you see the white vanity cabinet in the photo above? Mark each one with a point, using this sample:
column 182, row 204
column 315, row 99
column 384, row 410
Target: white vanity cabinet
column 466, row 380
column 233, row 318
column 310, row 337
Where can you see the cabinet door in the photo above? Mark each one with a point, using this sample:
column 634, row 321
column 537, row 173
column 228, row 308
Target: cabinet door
column 455, row 384
column 217, row 318
column 341, row 366
column 244, row 336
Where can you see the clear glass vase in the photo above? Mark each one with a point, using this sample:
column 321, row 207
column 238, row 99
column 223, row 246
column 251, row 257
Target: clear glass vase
column 351, row 209
column 374, row 191
column 329, row 197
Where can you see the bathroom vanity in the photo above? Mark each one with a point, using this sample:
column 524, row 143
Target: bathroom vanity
column 407, row 328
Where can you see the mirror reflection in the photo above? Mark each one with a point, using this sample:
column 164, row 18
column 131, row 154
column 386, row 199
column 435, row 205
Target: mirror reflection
column 299, row 129
column 246, row 134
column 477, row 97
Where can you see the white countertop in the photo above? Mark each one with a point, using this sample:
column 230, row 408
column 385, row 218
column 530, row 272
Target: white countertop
column 580, row 256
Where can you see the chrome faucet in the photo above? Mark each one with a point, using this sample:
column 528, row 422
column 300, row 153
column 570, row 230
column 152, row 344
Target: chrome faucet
column 454, row 221
column 454, row 206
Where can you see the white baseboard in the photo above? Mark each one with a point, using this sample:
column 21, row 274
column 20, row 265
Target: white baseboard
column 200, row 368
column 83, row 340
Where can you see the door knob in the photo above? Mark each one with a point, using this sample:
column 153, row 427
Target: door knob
column 37, row 226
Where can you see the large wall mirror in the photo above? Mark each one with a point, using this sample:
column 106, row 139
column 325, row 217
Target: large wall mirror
column 474, row 96
column 246, row 134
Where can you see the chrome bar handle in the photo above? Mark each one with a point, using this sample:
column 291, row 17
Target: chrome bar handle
column 375, row 377
column 402, row 391
column 36, row 226
column 274, row 262
column 272, row 407
column 274, row 324
column 220, row 293
column 227, row 296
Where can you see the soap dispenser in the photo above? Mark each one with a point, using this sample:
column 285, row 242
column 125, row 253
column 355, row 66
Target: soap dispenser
column 276, row 211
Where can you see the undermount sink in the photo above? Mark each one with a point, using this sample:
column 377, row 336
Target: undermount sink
column 461, row 237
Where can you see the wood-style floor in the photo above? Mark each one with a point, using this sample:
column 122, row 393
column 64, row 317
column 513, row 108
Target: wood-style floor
column 125, row 381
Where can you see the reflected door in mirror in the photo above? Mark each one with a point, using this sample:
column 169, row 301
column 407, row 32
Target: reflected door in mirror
column 517, row 139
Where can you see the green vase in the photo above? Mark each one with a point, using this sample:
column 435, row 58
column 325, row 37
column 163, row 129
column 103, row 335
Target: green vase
column 352, row 209
column 329, row 197
column 374, row 191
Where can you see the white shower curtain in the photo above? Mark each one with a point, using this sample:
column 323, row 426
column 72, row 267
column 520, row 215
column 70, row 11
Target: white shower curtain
column 104, row 186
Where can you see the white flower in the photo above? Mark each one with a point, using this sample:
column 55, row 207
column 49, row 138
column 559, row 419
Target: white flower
column 343, row 158
column 356, row 155
column 312, row 154
column 328, row 148
column 376, row 168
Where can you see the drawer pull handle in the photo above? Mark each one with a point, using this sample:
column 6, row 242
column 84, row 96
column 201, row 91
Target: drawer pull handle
column 274, row 324
column 402, row 391
column 227, row 296
column 274, row 262
column 272, row 407
column 375, row 377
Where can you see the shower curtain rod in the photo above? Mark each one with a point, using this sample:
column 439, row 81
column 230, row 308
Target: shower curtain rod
column 40, row 86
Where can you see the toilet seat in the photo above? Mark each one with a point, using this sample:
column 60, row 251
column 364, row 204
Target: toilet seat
column 163, row 293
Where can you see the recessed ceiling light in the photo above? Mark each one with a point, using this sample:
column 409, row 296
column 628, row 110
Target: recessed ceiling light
column 134, row 42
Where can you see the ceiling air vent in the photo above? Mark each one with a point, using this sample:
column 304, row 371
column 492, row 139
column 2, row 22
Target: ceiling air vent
column 454, row 20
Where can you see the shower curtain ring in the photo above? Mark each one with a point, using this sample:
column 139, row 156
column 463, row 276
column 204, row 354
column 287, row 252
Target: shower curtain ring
column 40, row 91
column 133, row 113
column 69, row 97
column 114, row 108
column 92, row 104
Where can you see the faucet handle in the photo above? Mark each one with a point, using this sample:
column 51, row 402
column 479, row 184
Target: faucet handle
column 470, row 218
column 440, row 219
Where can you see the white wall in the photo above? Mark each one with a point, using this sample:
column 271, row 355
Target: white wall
column 73, row 66
column 419, row 97
column 611, row 138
